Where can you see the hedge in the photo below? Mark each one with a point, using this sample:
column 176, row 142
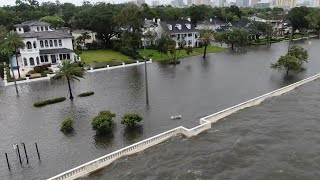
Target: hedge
column 85, row 94
column 66, row 125
column 48, row 101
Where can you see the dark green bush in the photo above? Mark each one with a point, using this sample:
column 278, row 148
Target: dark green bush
column 66, row 125
column 48, row 101
column 9, row 77
column 86, row 94
column 131, row 119
column 103, row 122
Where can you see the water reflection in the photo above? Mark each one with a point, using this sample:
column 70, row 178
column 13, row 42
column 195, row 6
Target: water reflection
column 131, row 134
column 104, row 140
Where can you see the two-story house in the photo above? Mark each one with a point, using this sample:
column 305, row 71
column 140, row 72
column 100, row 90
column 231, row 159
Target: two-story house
column 182, row 30
column 43, row 45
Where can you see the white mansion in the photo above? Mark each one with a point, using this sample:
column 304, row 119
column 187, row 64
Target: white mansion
column 43, row 45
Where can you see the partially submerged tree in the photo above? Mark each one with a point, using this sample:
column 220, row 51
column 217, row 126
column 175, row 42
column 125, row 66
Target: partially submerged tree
column 206, row 38
column 70, row 71
column 131, row 119
column 314, row 21
column 293, row 61
column 174, row 51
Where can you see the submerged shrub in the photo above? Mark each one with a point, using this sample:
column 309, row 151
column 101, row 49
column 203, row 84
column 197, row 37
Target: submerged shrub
column 131, row 119
column 86, row 94
column 66, row 125
column 48, row 101
column 103, row 122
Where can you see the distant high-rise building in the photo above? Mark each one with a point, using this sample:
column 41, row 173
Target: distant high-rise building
column 140, row 2
column 286, row 4
column 155, row 3
column 222, row 3
column 189, row 2
column 242, row 3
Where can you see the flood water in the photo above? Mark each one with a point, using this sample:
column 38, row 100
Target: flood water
column 278, row 139
column 194, row 89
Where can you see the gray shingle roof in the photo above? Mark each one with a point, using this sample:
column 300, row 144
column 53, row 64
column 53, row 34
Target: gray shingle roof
column 55, row 51
column 33, row 23
column 80, row 31
column 46, row 35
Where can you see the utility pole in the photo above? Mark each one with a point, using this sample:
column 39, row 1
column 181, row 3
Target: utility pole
column 145, row 70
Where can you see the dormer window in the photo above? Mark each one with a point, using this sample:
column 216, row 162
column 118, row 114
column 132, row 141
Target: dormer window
column 38, row 28
column 46, row 43
column 41, row 28
column 178, row 26
column 169, row 26
column 188, row 26
column 46, row 28
column 34, row 44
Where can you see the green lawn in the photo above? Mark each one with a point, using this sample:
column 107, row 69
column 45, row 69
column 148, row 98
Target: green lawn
column 156, row 56
column 105, row 56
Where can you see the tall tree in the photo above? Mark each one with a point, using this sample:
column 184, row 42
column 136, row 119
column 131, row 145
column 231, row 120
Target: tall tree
column 130, row 22
column 55, row 21
column 13, row 41
column 297, row 18
column 70, row 71
column 206, row 38
column 99, row 19
column 314, row 21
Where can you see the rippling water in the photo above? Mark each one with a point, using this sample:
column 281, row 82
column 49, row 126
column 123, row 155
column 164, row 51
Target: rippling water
column 194, row 88
column 278, row 139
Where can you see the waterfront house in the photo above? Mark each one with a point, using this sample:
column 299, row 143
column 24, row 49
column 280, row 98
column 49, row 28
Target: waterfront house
column 43, row 45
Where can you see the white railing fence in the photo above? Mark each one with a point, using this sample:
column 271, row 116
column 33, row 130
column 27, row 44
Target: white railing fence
column 205, row 124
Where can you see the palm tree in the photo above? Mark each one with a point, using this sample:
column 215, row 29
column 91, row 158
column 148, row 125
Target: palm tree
column 71, row 72
column 14, row 41
column 206, row 37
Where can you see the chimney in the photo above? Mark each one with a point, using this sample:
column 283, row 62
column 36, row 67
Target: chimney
column 210, row 19
column 189, row 19
column 154, row 20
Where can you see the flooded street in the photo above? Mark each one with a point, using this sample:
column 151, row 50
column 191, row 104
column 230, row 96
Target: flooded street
column 194, row 89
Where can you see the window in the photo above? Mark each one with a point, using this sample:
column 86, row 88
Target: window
column 68, row 56
column 46, row 28
column 29, row 46
column 41, row 59
column 38, row 29
column 55, row 43
column 41, row 43
column 25, row 61
column 46, row 43
column 64, row 56
column 46, row 58
column 60, row 43
column 51, row 43
column 34, row 44
column 19, row 29
column 37, row 59
column 41, row 28
column 60, row 56
column 31, row 61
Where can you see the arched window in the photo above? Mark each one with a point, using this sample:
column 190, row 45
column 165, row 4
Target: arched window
column 51, row 43
column 37, row 59
column 31, row 60
column 38, row 28
column 55, row 43
column 41, row 43
column 46, row 43
column 29, row 46
column 34, row 44
column 46, row 28
column 25, row 62
column 60, row 42
column 41, row 28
